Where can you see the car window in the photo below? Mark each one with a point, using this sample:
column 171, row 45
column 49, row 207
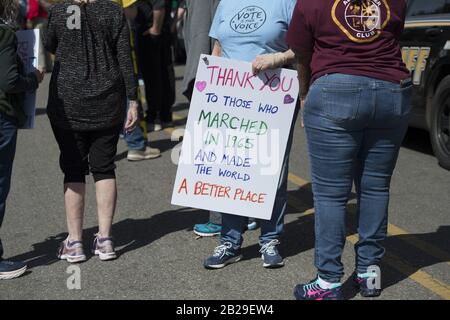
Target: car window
column 427, row 7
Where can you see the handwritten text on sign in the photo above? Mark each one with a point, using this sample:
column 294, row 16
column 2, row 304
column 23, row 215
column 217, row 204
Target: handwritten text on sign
column 235, row 138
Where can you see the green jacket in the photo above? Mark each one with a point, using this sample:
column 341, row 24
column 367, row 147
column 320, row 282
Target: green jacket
column 13, row 81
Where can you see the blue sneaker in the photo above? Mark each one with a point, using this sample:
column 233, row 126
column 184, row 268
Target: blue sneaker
column 207, row 229
column 314, row 291
column 361, row 281
column 270, row 255
column 11, row 270
column 223, row 255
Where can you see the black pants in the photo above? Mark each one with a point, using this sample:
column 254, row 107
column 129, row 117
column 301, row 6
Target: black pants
column 156, row 66
column 82, row 152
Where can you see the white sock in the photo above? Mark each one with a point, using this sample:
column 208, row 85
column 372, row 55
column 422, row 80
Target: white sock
column 327, row 285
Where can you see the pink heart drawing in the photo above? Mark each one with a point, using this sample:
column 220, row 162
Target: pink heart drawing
column 288, row 99
column 200, row 85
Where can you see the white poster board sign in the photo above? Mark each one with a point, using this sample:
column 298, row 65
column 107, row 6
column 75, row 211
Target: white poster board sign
column 235, row 138
column 28, row 50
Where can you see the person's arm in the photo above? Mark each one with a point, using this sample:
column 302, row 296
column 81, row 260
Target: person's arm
column 304, row 73
column 273, row 61
column 158, row 22
column 159, row 12
column 217, row 50
column 123, row 49
column 301, row 39
column 11, row 81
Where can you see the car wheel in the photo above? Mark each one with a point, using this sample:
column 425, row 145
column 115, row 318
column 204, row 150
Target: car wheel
column 440, row 123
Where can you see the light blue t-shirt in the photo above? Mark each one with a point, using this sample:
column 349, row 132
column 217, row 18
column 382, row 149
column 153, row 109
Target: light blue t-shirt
column 247, row 28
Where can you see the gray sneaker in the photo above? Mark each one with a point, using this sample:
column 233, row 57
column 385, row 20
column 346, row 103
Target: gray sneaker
column 71, row 251
column 148, row 153
column 104, row 248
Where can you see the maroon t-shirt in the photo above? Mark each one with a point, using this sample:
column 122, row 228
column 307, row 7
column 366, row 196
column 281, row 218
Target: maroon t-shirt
column 348, row 38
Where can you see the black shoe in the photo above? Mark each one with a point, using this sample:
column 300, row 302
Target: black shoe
column 362, row 284
column 11, row 270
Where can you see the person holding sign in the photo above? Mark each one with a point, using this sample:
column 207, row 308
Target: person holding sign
column 254, row 31
column 13, row 85
column 87, row 107
column 356, row 93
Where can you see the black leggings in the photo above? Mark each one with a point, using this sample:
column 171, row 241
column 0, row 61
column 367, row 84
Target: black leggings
column 84, row 151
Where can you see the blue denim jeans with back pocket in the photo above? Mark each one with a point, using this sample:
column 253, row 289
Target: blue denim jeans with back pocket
column 354, row 126
column 8, row 139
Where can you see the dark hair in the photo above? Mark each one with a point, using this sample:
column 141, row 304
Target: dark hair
column 358, row 2
column 9, row 10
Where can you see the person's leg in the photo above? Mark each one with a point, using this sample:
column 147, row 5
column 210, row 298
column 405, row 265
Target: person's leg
column 74, row 164
column 233, row 228
column 229, row 250
column 106, row 193
column 215, row 217
column 168, row 79
column 272, row 229
column 149, row 56
column 74, row 194
column 135, row 139
column 73, row 161
column 334, row 120
column 337, row 110
column 377, row 160
column 102, row 155
column 8, row 140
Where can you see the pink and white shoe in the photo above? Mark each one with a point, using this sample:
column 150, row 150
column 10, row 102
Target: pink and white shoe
column 71, row 251
column 104, row 248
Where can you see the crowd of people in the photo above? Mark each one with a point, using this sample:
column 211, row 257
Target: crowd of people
column 354, row 105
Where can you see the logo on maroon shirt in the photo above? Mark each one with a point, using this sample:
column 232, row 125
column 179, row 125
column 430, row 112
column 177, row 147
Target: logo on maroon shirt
column 361, row 23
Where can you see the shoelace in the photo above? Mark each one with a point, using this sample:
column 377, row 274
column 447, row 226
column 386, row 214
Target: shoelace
column 221, row 250
column 313, row 286
column 269, row 247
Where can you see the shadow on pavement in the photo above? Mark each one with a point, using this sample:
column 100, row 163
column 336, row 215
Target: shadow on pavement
column 418, row 140
column 130, row 234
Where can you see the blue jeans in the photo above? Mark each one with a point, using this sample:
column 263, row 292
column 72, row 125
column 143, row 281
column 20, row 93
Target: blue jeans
column 8, row 139
column 135, row 139
column 233, row 226
column 354, row 126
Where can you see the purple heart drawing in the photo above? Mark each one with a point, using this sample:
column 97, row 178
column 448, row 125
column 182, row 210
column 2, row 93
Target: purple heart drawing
column 288, row 99
column 200, row 85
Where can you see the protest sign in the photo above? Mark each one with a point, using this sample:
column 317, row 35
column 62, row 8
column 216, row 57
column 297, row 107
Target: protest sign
column 28, row 50
column 235, row 138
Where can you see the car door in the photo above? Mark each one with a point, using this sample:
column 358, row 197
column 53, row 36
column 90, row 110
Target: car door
column 423, row 42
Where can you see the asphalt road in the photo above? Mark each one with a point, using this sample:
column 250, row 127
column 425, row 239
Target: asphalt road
column 159, row 255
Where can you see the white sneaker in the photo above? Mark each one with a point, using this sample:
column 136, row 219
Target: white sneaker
column 156, row 126
column 148, row 153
